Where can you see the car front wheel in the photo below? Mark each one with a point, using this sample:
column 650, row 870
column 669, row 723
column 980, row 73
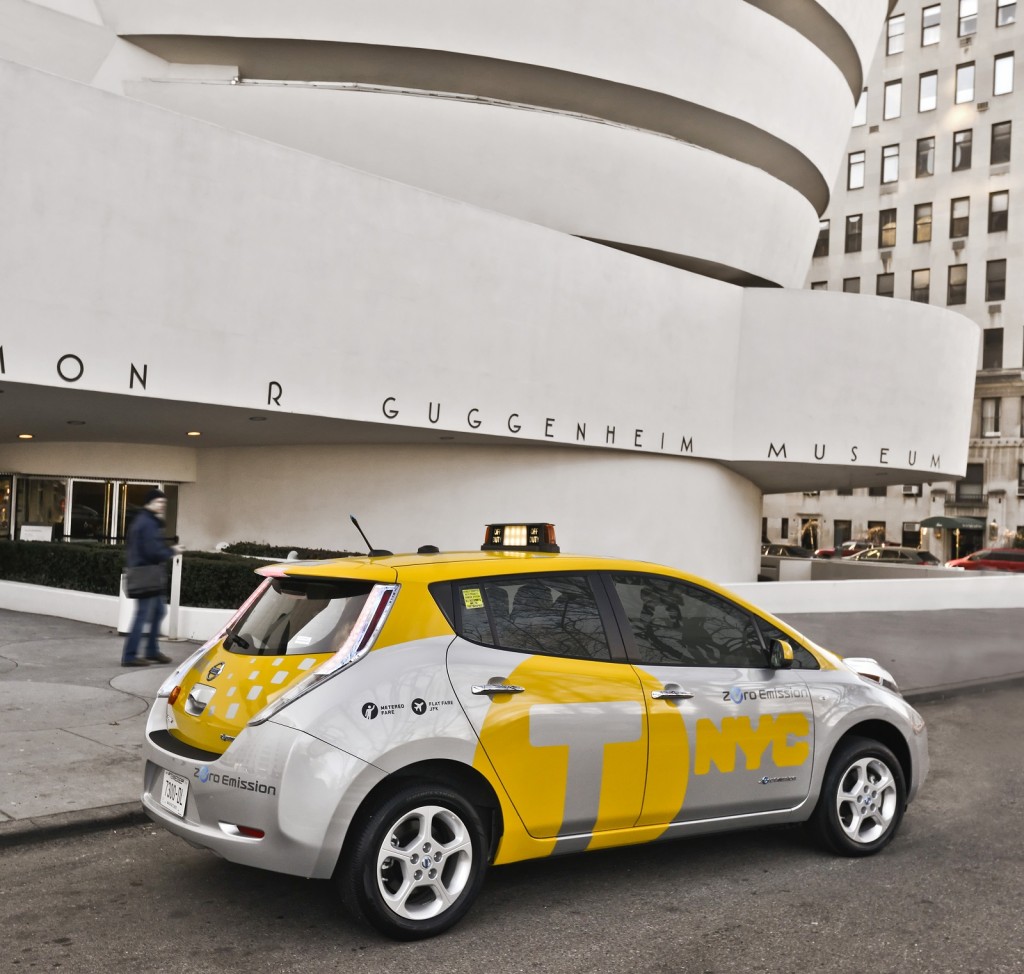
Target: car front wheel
column 415, row 863
column 862, row 798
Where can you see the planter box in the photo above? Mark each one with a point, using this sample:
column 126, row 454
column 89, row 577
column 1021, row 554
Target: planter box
column 108, row 610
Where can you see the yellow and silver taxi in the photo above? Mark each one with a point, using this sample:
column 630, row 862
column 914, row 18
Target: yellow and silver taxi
column 400, row 722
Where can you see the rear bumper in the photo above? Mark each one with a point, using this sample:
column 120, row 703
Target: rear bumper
column 295, row 789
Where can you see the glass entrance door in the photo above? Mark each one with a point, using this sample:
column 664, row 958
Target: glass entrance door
column 89, row 515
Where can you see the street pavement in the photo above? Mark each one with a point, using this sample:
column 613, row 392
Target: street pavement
column 72, row 719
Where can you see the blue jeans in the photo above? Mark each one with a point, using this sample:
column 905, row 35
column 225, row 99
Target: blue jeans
column 149, row 613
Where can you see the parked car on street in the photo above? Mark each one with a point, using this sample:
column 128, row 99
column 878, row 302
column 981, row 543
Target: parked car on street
column 847, row 549
column 398, row 723
column 902, row 556
column 786, row 550
column 991, row 559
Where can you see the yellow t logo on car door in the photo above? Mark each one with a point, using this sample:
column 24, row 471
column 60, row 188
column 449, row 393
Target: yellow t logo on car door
column 570, row 749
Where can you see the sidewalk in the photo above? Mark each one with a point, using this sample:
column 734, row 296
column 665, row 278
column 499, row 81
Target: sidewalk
column 72, row 719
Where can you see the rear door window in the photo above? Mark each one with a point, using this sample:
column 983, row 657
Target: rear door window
column 553, row 615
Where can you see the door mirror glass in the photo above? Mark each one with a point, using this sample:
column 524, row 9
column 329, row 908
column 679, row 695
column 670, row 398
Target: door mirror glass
column 780, row 654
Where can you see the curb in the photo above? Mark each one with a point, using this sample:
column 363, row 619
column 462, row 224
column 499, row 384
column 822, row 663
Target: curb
column 41, row 828
column 945, row 691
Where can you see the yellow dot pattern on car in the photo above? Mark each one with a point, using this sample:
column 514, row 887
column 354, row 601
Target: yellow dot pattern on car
column 217, row 700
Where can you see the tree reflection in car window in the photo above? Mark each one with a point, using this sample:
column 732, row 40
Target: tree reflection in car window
column 675, row 623
column 554, row 615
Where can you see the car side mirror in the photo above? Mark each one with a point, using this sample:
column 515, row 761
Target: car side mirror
column 780, row 654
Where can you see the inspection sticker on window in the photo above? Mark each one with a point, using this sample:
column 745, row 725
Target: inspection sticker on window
column 472, row 599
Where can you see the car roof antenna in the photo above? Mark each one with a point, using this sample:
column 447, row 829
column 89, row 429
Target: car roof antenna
column 372, row 552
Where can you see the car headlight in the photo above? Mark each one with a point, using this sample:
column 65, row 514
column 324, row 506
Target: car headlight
column 872, row 671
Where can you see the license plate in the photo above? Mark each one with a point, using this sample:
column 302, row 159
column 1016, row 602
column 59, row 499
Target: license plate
column 173, row 793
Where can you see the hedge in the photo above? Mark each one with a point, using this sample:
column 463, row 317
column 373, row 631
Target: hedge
column 208, row 580
column 263, row 549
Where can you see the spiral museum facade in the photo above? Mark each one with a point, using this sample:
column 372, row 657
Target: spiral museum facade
column 443, row 264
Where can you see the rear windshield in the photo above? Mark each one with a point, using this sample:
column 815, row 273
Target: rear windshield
column 299, row 616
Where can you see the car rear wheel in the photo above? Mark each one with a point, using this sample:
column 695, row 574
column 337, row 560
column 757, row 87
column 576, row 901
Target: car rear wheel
column 862, row 798
column 415, row 863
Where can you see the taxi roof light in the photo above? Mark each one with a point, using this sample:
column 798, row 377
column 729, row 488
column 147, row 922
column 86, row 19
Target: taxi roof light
column 538, row 536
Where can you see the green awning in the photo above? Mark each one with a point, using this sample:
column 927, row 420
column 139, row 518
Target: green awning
column 953, row 523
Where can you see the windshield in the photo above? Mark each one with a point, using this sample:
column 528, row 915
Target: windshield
column 299, row 616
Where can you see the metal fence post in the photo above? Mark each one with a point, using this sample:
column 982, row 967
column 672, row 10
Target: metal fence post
column 173, row 609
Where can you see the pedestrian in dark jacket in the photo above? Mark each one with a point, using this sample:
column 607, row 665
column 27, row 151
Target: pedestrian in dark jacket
column 146, row 546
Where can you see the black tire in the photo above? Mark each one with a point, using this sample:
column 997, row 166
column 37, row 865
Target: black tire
column 414, row 865
column 862, row 798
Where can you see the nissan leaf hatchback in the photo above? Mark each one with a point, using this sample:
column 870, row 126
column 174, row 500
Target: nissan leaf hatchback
column 398, row 723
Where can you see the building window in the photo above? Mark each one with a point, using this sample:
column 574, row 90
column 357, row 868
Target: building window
column 1002, row 76
column 819, row 285
column 841, row 530
column 992, row 348
column 963, row 142
column 927, row 91
column 968, row 22
column 887, row 228
column 999, row 150
column 884, row 284
column 855, row 170
column 877, row 491
column 1020, row 491
column 971, row 489
column 920, row 285
column 995, row 280
column 1006, row 12
column 890, row 163
column 964, row 83
column 959, row 217
column 956, row 284
column 998, row 210
column 821, row 245
column 990, row 417
column 854, row 233
column 922, row 223
column 784, row 528
column 930, row 23
column 892, row 102
column 895, row 28
column 925, row 156
column 851, row 285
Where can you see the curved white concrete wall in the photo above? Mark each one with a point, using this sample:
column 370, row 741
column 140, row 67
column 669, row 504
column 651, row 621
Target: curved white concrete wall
column 598, row 504
column 551, row 170
column 737, row 99
column 433, row 320
column 271, row 266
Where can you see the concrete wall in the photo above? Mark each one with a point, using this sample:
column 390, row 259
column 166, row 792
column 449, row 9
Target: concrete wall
column 780, row 598
column 445, row 495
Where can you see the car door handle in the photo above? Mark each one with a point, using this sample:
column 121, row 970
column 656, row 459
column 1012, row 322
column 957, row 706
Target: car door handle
column 492, row 689
column 672, row 692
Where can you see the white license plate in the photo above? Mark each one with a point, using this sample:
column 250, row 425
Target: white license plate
column 173, row 793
